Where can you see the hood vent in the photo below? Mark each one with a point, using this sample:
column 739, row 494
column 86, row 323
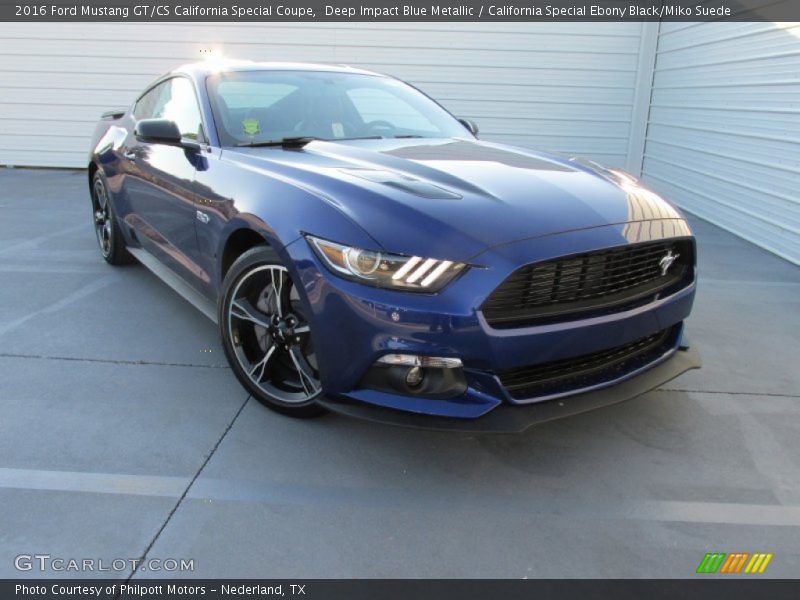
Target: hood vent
column 405, row 183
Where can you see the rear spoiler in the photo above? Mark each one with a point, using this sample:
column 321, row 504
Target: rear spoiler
column 114, row 114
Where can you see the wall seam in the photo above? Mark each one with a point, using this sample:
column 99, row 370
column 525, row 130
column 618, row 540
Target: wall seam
column 643, row 96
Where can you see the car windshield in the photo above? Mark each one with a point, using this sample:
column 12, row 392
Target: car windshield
column 252, row 107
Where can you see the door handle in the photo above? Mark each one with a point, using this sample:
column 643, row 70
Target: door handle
column 130, row 155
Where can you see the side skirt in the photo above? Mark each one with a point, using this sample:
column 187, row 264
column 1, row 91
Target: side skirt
column 176, row 282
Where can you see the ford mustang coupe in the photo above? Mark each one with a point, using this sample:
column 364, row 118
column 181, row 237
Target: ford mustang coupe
column 363, row 252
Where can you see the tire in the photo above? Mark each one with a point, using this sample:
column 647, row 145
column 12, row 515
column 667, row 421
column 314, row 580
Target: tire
column 267, row 336
column 106, row 228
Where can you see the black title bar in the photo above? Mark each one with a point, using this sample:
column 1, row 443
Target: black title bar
column 408, row 10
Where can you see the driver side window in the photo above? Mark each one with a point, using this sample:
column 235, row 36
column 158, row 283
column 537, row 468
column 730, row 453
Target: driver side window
column 181, row 106
column 175, row 100
column 151, row 102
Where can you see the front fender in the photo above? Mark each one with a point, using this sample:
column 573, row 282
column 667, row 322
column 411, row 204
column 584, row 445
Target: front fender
column 280, row 210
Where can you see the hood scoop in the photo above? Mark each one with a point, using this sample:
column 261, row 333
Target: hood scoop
column 405, row 183
column 472, row 152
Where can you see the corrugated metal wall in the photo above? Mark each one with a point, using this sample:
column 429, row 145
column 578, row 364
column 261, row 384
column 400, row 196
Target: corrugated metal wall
column 566, row 87
column 723, row 135
column 718, row 132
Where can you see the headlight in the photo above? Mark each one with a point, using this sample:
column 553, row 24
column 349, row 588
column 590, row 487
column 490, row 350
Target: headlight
column 412, row 273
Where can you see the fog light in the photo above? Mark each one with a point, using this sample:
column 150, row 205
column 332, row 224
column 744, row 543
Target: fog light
column 413, row 360
column 414, row 376
column 430, row 377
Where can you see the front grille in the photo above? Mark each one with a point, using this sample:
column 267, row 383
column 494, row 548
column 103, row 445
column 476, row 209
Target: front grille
column 589, row 283
column 571, row 375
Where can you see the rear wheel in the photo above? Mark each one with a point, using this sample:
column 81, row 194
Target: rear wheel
column 267, row 335
column 109, row 235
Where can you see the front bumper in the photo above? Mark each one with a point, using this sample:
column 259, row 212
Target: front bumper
column 354, row 325
column 513, row 419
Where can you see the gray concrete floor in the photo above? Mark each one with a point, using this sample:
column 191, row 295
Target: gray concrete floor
column 122, row 434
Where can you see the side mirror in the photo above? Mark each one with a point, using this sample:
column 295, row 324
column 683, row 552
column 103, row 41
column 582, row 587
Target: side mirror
column 162, row 131
column 470, row 126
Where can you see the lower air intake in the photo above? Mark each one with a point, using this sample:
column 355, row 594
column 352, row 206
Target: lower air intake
column 571, row 375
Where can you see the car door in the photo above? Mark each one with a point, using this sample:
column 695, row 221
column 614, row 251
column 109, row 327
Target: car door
column 244, row 111
column 160, row 179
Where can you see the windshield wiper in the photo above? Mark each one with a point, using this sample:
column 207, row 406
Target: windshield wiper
column 287, row 142
column 299, row 142
column 405, row 137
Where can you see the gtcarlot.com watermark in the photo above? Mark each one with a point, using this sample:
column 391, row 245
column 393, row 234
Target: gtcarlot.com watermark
column 58, row 564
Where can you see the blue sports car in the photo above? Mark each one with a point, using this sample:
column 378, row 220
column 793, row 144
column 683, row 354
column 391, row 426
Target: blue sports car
column 363, row 252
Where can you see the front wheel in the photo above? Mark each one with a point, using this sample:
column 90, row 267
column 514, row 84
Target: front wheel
column 267, row 335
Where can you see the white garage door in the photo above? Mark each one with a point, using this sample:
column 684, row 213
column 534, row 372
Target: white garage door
column 723, row 138
column 557, row 86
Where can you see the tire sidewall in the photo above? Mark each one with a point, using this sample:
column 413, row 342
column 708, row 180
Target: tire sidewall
column 118, row 253
column 255, row 257
column 100, row 177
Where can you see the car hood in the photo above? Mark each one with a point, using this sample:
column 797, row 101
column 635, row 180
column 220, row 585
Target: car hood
column 453, row 199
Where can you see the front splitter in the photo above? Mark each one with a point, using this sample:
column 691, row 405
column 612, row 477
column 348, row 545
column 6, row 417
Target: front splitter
column 508, row 418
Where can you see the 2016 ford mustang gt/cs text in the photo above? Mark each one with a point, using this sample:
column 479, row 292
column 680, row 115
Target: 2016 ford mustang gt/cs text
column 363, row 252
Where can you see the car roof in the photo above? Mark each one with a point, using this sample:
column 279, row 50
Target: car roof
column 208, row 67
